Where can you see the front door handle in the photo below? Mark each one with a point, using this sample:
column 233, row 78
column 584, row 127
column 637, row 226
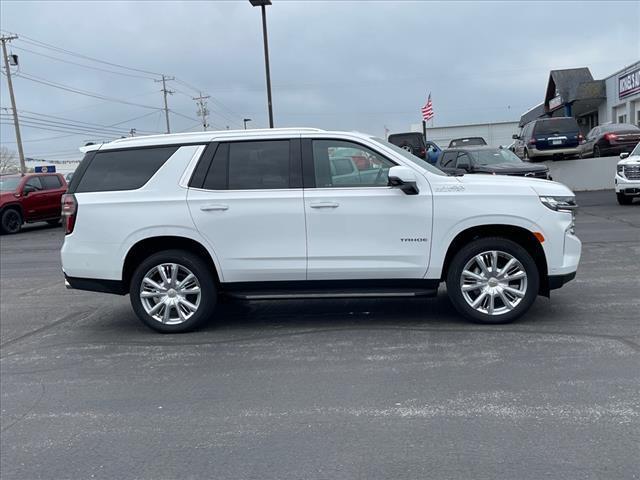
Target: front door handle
column 325, row 205
column 214, row 206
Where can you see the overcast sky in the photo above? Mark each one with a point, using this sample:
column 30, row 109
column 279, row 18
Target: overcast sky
column 334, row 64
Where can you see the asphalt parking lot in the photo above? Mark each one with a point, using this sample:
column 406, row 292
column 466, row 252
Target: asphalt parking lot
column 367, row 389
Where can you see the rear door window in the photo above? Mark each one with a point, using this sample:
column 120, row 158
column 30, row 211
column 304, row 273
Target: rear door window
column 51, row 182
column 251, row 165
column 123, row 169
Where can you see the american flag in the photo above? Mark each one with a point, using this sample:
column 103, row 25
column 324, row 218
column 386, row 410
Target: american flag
column 427, row 110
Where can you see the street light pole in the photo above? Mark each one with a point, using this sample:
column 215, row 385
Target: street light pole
column 245, row 120
column 263, row 4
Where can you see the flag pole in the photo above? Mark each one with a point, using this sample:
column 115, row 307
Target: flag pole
column 424, row 129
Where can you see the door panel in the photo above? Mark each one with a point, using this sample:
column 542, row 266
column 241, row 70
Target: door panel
column 35, row 204
column 363, row 233
column 256, row 234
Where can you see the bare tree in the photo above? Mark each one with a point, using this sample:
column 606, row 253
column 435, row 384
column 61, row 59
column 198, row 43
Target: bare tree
column 8, row 161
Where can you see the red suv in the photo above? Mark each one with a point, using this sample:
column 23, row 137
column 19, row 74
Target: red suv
column 32, row 198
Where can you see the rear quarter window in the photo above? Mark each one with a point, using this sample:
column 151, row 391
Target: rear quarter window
column 113, row 170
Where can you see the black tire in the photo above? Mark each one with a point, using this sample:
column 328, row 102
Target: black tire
column 10, row 221
column 205, row 278
column 624, row 199
column 466, row 253
column 54, row 223
column 596, row 152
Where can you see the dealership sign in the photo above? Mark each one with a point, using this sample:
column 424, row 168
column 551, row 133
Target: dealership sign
column 629, row 83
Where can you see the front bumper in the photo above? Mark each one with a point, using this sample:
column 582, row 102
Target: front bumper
column 626, row 186
column 557, row 281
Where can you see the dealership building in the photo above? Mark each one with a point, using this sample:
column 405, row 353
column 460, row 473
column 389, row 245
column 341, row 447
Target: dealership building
column 574, row 93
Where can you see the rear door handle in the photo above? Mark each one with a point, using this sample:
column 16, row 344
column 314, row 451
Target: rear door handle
column 214, row 206
column 325, row 205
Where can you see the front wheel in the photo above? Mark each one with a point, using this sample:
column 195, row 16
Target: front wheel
column 173, row 291
column 10, row 221
column 492, row 280
column 596, row 152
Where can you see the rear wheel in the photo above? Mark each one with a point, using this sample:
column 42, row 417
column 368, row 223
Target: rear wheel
column 624, row 199
column 173, row 291
column 10, row 221
column 492, row 280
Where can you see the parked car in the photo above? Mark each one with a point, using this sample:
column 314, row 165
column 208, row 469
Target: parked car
column 610, row 140
column 627, row 179
column 467, row 142
column 495, row 161
column 32, row 198
column 548, row 138
column 176, row 220
column 414, row 142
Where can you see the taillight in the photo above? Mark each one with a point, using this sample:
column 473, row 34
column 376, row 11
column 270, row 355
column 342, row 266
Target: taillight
column 610, row 136
column 423, row 152
column 532, row 141
column 69, row 212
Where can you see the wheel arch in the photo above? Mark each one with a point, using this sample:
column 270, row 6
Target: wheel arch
column 520, row 235
column 150, row 245
column 14, row 206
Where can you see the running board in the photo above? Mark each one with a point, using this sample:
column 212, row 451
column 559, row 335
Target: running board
column 325, row 294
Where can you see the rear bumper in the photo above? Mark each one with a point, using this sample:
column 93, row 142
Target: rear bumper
column 553, row 152
column 95, row 285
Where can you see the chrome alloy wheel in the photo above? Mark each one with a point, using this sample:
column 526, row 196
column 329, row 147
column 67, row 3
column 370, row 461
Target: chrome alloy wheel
column 493, row 282
column 170, row 293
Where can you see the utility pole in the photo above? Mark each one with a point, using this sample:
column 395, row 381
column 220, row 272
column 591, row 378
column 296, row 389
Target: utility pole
column 203, row 111
column 165, row 93
column 16, row 123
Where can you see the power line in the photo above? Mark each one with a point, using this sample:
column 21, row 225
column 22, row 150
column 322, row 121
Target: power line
column 58, row 124
column 48, row 46
column 83, row 65
column 33, row 78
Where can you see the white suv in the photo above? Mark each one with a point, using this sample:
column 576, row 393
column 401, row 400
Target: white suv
column 627, row 179
column 176, row 220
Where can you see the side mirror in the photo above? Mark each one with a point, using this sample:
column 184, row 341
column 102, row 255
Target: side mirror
column 515, row 136
column 27, row 190
column 404, row 178
column 624, row 155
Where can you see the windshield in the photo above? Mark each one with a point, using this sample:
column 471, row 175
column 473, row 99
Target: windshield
column 9, row 184
column 412, row 158
column 493, row 157
column 463, row 142
column 410, row 138
column 636, row 151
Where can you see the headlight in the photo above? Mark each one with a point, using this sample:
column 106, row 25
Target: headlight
column 620, row 169
column 560, row 204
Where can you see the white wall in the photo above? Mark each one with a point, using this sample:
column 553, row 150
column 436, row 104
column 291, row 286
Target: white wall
column 495, row 134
